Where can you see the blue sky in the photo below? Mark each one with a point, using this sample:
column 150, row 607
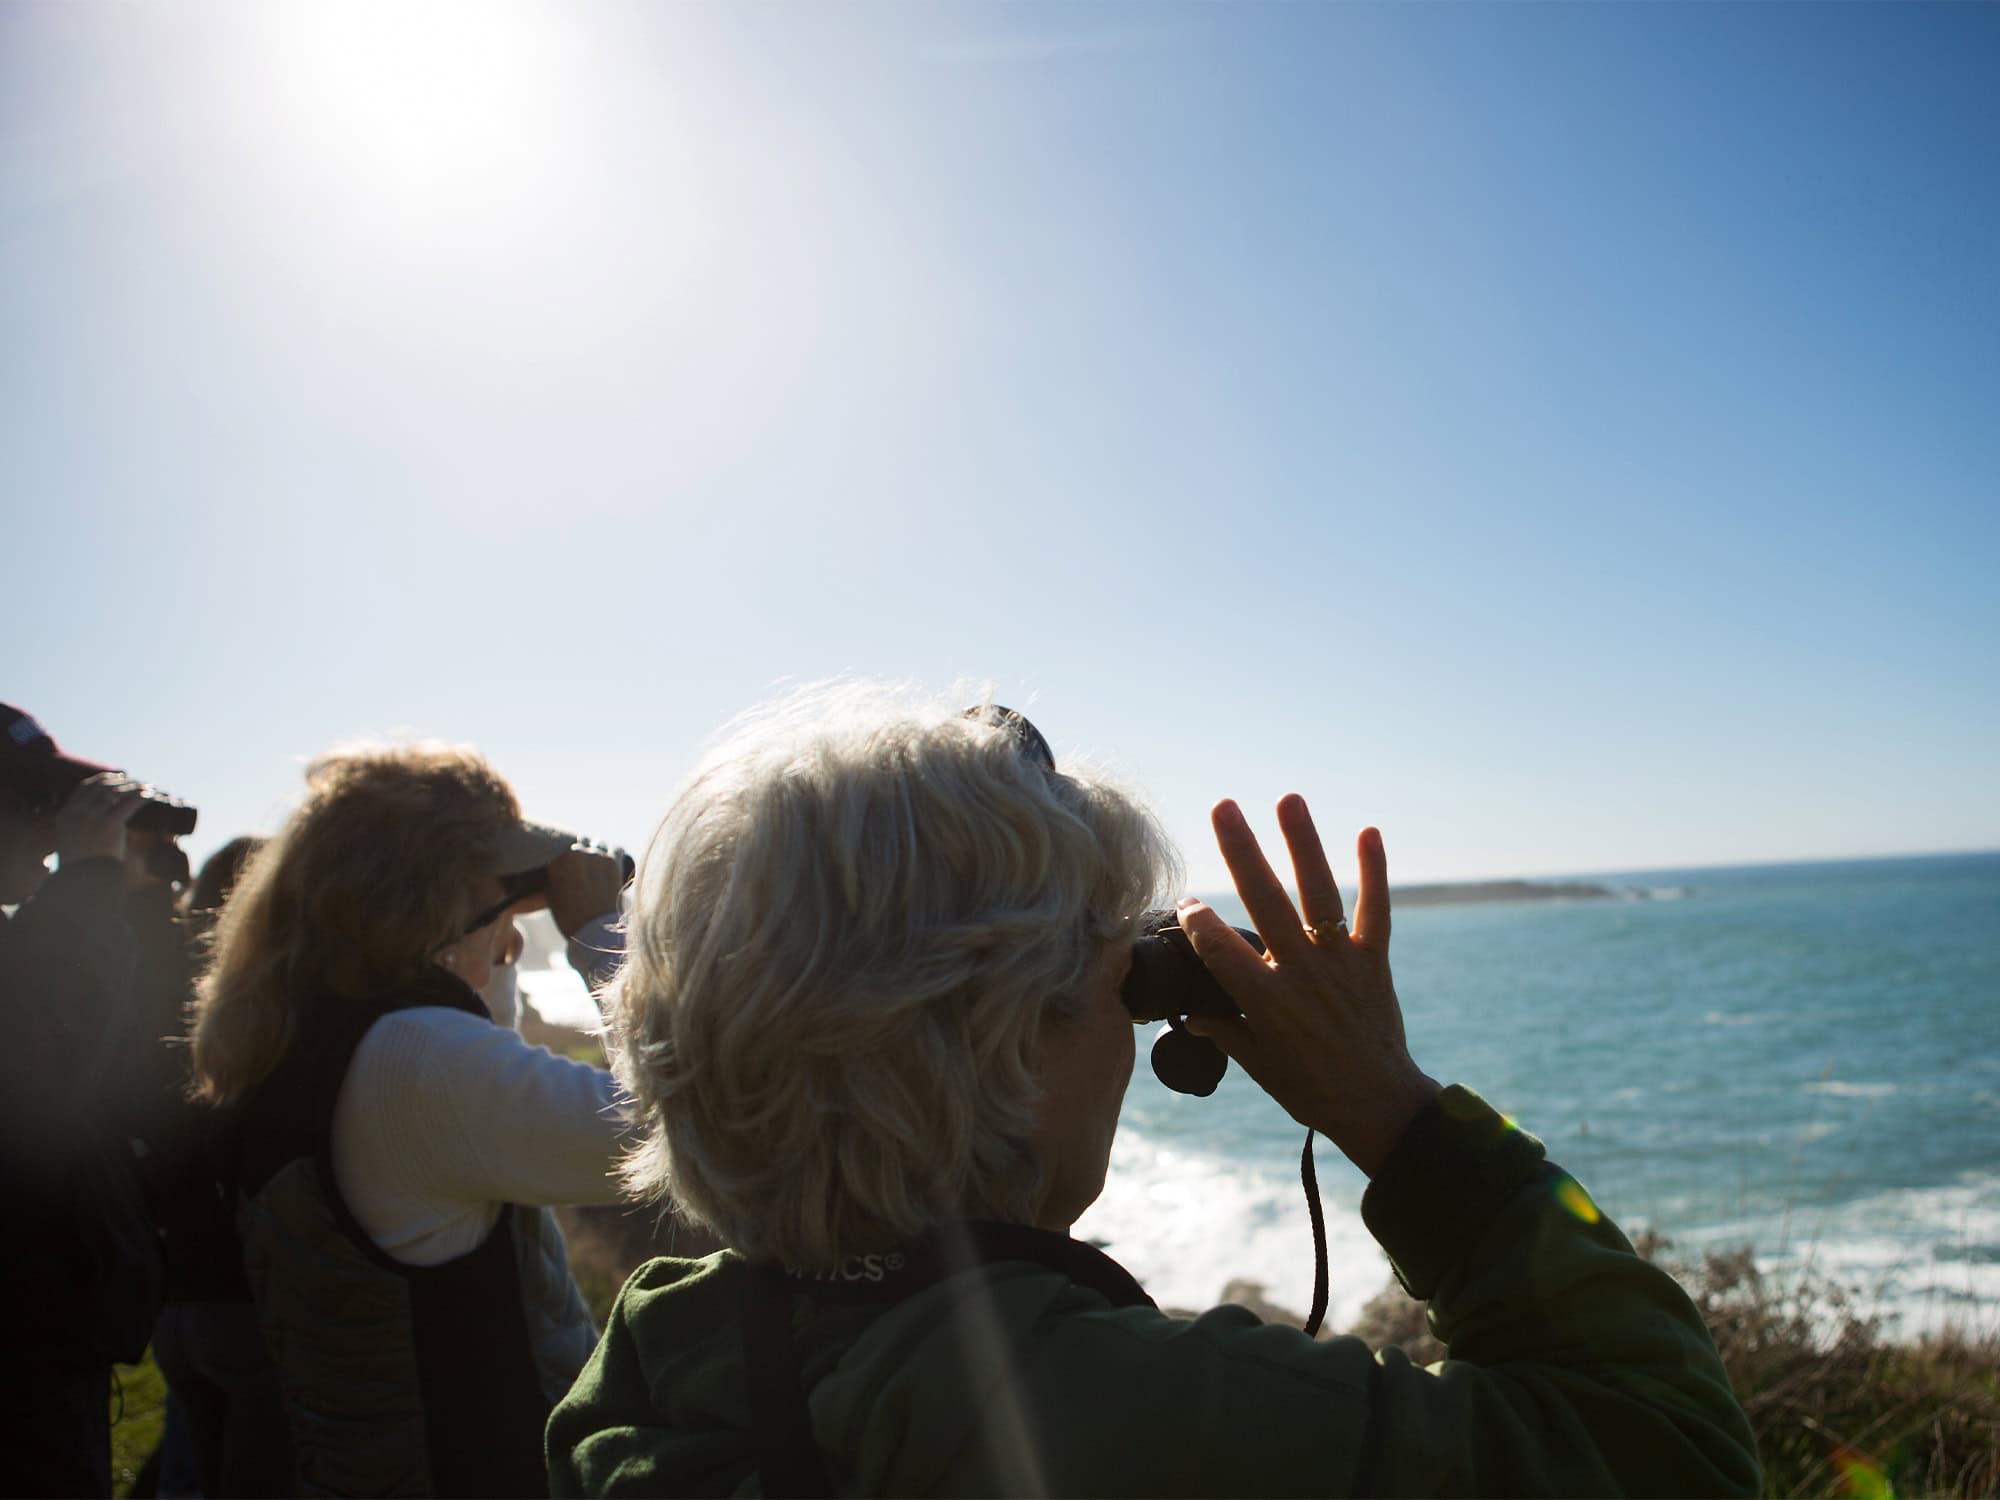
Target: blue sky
column 1564, row 435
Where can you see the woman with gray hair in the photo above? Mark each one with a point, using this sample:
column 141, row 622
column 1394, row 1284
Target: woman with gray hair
column 874, row 1026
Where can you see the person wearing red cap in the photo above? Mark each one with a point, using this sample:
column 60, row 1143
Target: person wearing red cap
column 85, row 1277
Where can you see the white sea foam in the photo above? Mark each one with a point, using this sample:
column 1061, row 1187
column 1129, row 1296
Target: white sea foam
column 1841, row 1089
column 1732, row 1018
column 1921, row 1259
column 1187, row 1223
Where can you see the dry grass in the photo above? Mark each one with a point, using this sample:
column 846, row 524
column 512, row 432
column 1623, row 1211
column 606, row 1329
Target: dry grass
column 1837, row 1409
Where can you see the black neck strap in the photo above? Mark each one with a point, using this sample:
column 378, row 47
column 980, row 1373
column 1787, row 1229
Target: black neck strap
column 788, row 1461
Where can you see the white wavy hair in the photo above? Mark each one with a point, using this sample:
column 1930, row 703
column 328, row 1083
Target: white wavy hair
column 848, row 931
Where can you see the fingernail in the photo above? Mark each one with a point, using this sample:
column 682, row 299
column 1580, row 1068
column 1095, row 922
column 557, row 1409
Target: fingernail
column 1185, row 902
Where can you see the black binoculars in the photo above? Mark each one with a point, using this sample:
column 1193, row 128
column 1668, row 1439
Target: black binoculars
column 535, row 882
column 159, row 813
column 1169, row 982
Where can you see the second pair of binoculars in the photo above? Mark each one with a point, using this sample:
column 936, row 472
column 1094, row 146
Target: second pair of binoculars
column 535, row 882
column 159, row 813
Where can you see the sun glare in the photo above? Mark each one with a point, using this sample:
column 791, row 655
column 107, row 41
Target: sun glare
column 429, row 117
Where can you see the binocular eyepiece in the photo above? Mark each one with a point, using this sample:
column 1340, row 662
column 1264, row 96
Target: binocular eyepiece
column 1169, row 982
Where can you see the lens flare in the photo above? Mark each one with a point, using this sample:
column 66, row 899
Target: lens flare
column 1570, row 1194
column 1861, row 1475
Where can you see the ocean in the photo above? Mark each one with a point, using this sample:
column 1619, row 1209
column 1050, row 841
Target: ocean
column 1804, row 1059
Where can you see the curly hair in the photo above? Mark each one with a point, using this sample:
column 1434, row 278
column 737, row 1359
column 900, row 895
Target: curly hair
column 848, row 933
column 367, row 879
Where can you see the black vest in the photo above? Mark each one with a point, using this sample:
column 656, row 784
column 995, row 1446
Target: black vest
column 398, row 1379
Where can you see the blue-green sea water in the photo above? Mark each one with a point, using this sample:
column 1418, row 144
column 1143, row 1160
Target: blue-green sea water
column 1803, row 1058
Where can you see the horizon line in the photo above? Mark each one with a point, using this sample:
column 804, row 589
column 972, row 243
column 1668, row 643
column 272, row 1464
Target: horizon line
column 1559, row 876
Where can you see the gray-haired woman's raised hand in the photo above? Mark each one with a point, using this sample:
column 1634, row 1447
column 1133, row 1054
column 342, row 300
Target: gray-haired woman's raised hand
column 1321, row 1031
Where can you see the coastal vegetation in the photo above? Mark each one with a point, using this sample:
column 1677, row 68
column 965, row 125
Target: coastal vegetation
column 1839, row 1408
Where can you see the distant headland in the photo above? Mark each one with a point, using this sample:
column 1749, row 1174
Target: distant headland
column 1466, row 892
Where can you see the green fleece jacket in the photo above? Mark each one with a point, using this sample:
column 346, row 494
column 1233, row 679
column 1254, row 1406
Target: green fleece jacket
column 1575, row 1368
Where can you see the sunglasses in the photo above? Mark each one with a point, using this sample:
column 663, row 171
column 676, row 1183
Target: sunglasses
column 518, row 888
column 1016, row 724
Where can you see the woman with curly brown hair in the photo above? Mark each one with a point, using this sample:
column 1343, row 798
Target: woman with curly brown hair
column 393, row 1150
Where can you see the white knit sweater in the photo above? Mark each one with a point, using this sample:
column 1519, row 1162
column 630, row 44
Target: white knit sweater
column 445, row 1116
